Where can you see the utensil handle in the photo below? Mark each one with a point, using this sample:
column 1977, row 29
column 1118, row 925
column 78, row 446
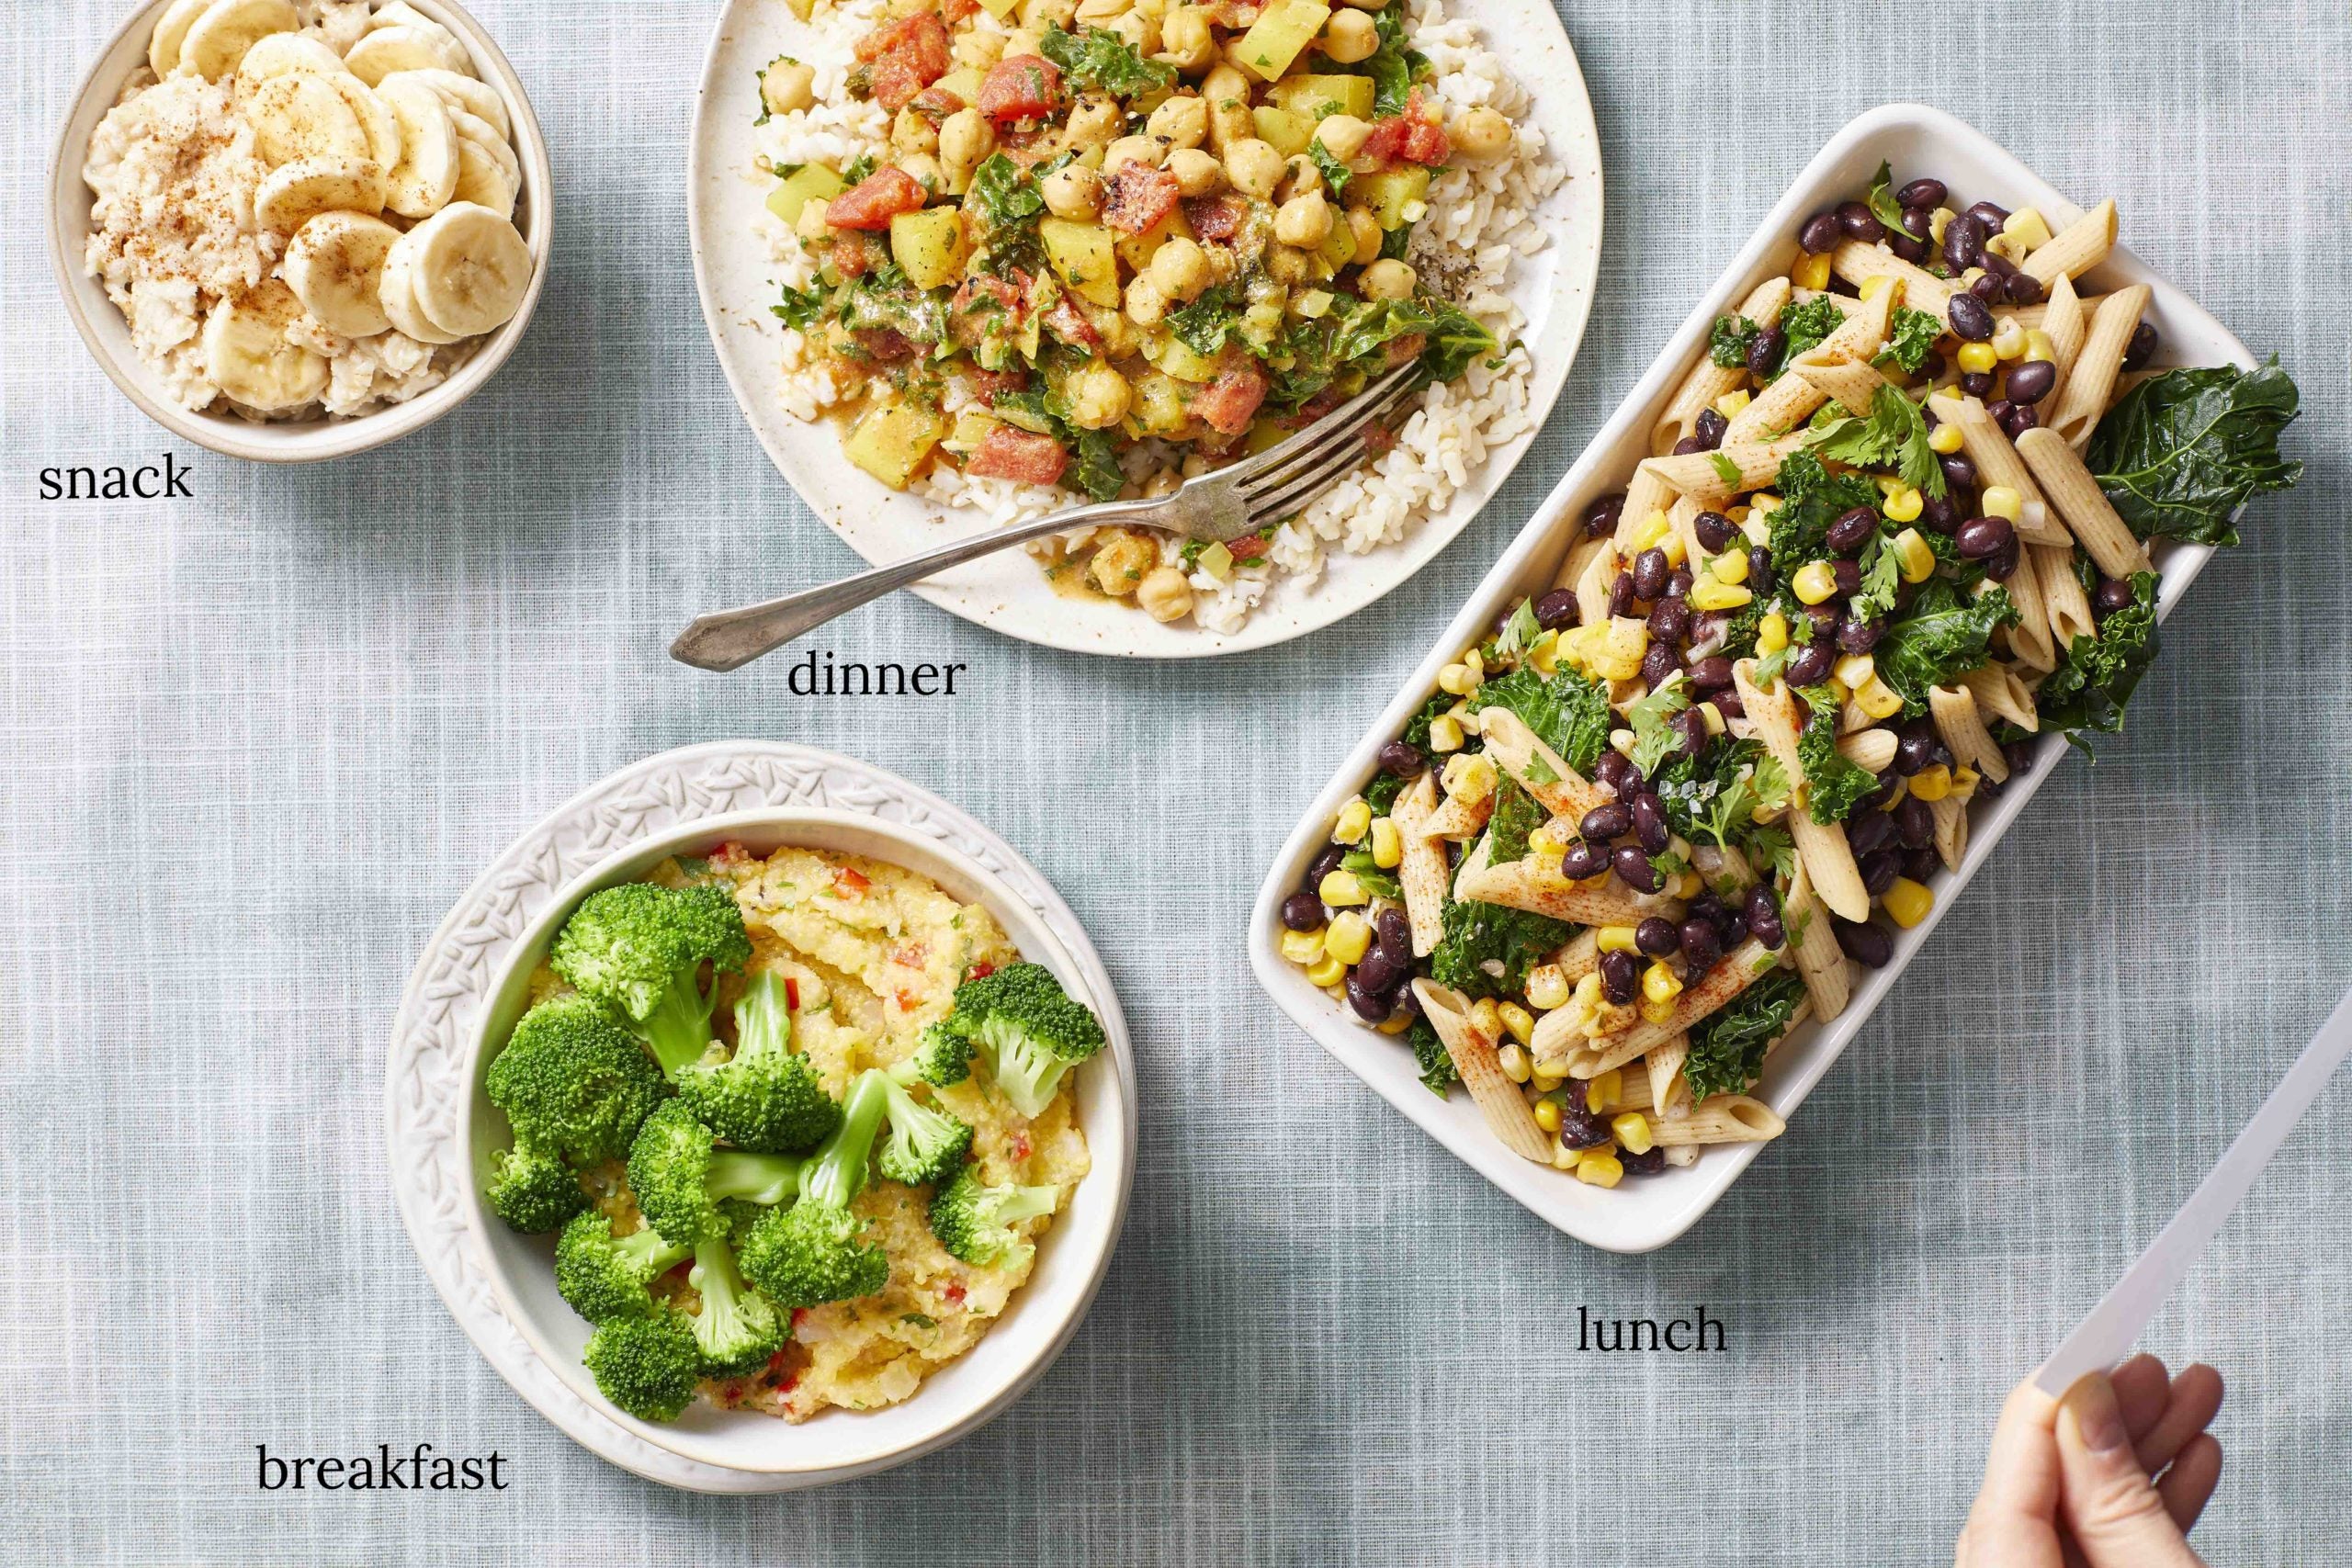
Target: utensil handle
column 2115, row 1324
column 728, row 640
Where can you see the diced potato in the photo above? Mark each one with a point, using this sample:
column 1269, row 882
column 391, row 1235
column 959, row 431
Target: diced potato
column 890, row 442
column 1285, row 132
column 1264, row 436
column 1338, row 246
column 929, row 246
column 1084, row 256
column 1389, row 193
column 964, row 84
column 1317, row 97
column 1279, row 35
column 1159, row 404
column 809, row 182
column 972, row 427
column 1172, row 355
column 1136, row 250
column 1000, row 9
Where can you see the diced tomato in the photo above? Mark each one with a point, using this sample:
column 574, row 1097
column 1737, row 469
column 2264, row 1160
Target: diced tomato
column 1009, row 454
column 983, row 967
column 936, row 104
column 1228, row 403
column 1377, row 437
column 1234, row 16
column 791, row 994
column 852, row 255
column 905, row 57
column 875, row 200
column 955, row 1291
column 1215, row 218
column 884, row 345
column 957, row 10
column 988, row 383
column 908, row 1001
column 983, row 305
column 849, row 882
column 1247, row 547
column 1140, row 196
column 1067, row 322
column 1025, row 86
column 1020, row 1145
column 1414, row 136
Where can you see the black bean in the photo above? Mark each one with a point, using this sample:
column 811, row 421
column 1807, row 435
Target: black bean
column 1982, row 538
column 2000, row 266
column 1919, row 223
column 1611, row 768
column 1879, row 798
column 1988, row 288
column 1378, row 971
column 1868, row 832
column 1629, row 785
column 1764, row 352
column 1999, row 409
column 1302, row 912
column 1764, row 917
column 1620, row 981
column 1711, row 674
column 2003, row 566
column 1932, row 367
column 1849, row 573
column 1879, row 871
column 1865, row 943
column 1669, row 619
column 1859, row 636
column 1909, row 247
column 1824, row 618
column 2114, row 593
column 1701, row 945
column 1976, row 383
column 1602, row 516
column 1582, row 1127
column 1401, row 758
column 1959, row 468
column 1395, row 934
column 1651, row 830
column 2032, row 381
column 1914, row 823
column 2143, row 346
column 1714, row 531
column 1370, row 1005
column 1557, row 609
column 1922, row 193
column 1969, row 318
column 2021, row 289
column 1759, row 569
column 1651, row 569
column 1689, row 445
column 2019, row 420
column 1621, row 594
column 1938, row 514
column 1658, row 936
column 1915, row 752
column 1408, row 1004
column 1821, row 234
column 1709, row 428
column 1634, row 869
column 1605, row 822
column 1691, row 725
column 1707, row 907
column 1649, row 1162
column 1584, row 859
column 1809, row 666
column 1856, row 218
column 1679, row 585
column 1852, row 529
column 1709, row 629
column 2018, row 754
column 1661, row 660
column 1727, row 702
column 1964, row 243
column 1732, row 928
column 1990, row 214
column 1920, row 864
column 1323, row 865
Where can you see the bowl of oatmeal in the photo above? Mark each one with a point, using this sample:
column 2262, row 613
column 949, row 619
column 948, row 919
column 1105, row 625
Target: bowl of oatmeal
column 293, row 229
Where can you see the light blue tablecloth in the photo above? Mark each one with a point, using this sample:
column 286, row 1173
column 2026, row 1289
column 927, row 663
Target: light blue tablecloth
column 253, row 745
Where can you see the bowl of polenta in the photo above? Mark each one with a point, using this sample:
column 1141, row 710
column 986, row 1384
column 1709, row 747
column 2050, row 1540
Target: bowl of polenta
column 800, row 1140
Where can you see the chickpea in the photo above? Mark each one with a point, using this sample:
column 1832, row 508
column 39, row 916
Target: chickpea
column 1253, row 166
column 1180, row 268
column 1118, row 334
column 1186, row 41
column 1287, row 264
column 1148, row 151
column 1119, row 565
column 1388, row 280
column 1226, row 92
column 1147, row 306
column 1074, row 192
column 812, row 224
column 1101, row 10
column 1181, row 121
column 1098, row 397
column 1038, row 15
column 1350, row 35
column 925, row 170
column 1365, row 230
column 1342, row 135
column 912, row 132
column 963, row 141
column 1164, row 595
column 1093, row 120
column 786, row 86
column 1299, row 177
column 1303, row 220
column 978, row 50
column 1138, row 30
column 1481, row 134
column 1023, row 40
column 1197, row 173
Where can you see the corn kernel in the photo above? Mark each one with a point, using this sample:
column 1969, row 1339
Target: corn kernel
column 1517, row 1022
column 1543, row 1082
column 1673, row 549
column 1736, row 514
column 1596, row 1167
column 2038, row 345
column 1614, row 939
column 1687, row 886
column 1445, row 733
column 1730, row 567
column 1633, row 1130
column 1454, row 681
column 1836, row 690
column 1815, row 582
column 1547, row 987
column 1963, row 780
column 1811, row 271
column 1515, row 1064
column 1348, row 937
column 1543, row 653
column 1904, row 505
column 1773, row 632
column 1709, row 594
column 1589, row 991
column 1604, row 1090
column 1355, row 820
column 1387, row 844
column 1547, row 1115
column 1763, row 502
column 1303, row 947
column 1565, row 1157
column 2008, row 340
column 1326, row 971
column 1878, row 699
column 1977, row 358
column 1712, row 717
column 1887, row 484
column 1913, row 558
column 1907, row 902
column 1341, row 890
column 1485, row 1020
column 1872, row 288
column 1656, row 1012
column 1660, row 983
column 2002, row 501
column 1396, row 1023
column 1968, row 278
column 1654, row 528
column 1622, row 742
column 2027, row 228
column 1937, row 221
column 1931, row 784
column 1618, row 656
column 1853, row 668
column 1944, row 439
column 1731, row 402
column 1543, row 842
column 1475, row 663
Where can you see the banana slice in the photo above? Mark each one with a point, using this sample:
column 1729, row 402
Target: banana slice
column 293, row 195
column 217, row 40
column 421, row 184
column 249, row 357
column 171, row 29
column 466, row 93
column 482, row 133
column 375, row 116
column 336, row 266
column 397, row 292
column 401, row 14
column 483, row 180
column 387, row 49
column 471, row 269
column 285, row 54
column 302, row 116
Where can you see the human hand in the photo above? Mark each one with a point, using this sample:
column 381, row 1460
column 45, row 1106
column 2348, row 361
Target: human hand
column 2111, row 1476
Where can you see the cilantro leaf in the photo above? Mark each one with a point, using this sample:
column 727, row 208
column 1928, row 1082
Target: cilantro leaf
column 1941, row 637
column 1655, row 738
column 1882, row 579
column 1729, row 1046
column 1097, row 57
column 1729, row 340
column 1894, row 436
column 2096, row 678
column 1567, row 713
column 1518, row 631
column 1335, row 174
column 1834, row 785
column 2179, row 453
column 1726, row 469
column 1881, row 198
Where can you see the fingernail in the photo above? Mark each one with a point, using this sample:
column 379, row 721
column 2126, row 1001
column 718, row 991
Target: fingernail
column 2091, row 1403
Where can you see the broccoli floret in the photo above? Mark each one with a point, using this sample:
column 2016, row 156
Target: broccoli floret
column 738, row 1328
column 926, row 1143
column 574, row 1083
column 647, row 1365
column 679, row 1175
column 605, row 1276
column 814, row 1252
column 766, row 1097
column 944, row 1058
column 640, row 949
column 974, row 1223
column 533, row 1190
column 1030, row 1029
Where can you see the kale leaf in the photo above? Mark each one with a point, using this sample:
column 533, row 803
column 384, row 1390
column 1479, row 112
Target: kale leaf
column 1487, row 949
column 1436, row 1063
column 1097, row 57
column 1941, row 637
column 1002, row 194
column 1811, row 498
column 1455, row 338
column 1729, row 1046
column 1391, row 65
column 1833, row 785
column 2179, row 453
column 1567, row 713
column 1204, row 325
column 800, row 307
column 1910, row 338
column 1729, row 340
column 2096, row 676
column 1806, row 325
column 1335, row 174
column 1516, row 816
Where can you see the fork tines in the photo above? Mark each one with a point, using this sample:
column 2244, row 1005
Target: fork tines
column 1279, row 482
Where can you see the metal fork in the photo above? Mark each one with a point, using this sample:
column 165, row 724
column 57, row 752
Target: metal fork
column 1216, row 507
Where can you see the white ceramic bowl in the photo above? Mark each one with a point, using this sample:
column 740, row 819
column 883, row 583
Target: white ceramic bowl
column 1045, row 1312
column 1642, row 1214
column 291, row 441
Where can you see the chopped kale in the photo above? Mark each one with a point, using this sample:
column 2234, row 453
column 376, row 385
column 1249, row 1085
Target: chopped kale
column 1487, row 949
column 1806, row 325
column 1436, row 1063
column 1454, row 339
column 1204, row 325
column 1729, row 1046
column 1097, row 57
column 2096, row 676
column 800, row 307
column 1810, row 500
column 1910, row 338
column 1939, row 638
column 1729, row 340
column 1335, row 174
column 1833, row 785
column 2179, row 453
column 1516, row 816
column 1567, row 713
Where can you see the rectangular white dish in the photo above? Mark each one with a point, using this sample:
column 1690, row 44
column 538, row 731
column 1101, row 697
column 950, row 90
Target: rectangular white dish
column 1641, row 1215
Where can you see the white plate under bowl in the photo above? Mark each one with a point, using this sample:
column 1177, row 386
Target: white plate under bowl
column 1649, row 1212
column 284, row 441
column 468, row 990
column 725, row 196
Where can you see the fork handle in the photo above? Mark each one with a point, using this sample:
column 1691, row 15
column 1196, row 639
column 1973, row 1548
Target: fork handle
column 728, row 640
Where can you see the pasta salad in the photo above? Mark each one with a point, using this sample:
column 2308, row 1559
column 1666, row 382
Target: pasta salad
column 1897, row 523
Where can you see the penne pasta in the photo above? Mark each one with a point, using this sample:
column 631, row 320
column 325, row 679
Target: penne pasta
column 2090, row 384
column 1539, row 890
column 1580, row 957
column 2067, row 608
column 2030, row 640
column 1951, row 829
column 1922, row 290
column 1813, row 947
column 1669, row 1091
column 1821, row 846
column 2063, row 324
column 1543, row 772
column 1851, row 383
column 2075, row 249
column 2082, row 504
column 1459, row 817
column 1997, row 463
column 1707, row 382
column 1730, row 469
column 1648, row 493
column 1592, row 583
column 1475, row 1058
column 1422, row 872
column 1962, row 729
column 1998, row 691
column 1722, row 1119
column 1873, row 750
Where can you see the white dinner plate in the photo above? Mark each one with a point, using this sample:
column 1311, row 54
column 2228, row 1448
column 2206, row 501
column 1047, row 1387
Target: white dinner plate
column 725, row 196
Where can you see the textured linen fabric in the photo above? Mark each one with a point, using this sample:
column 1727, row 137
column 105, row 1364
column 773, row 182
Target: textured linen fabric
column 256, row 743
